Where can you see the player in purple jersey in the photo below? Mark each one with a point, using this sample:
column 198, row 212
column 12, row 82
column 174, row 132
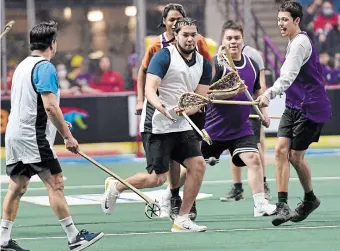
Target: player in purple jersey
column 236, row 191
column 307, row 109
column 229, row 126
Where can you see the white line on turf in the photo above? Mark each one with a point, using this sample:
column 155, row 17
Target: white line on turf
column 208, row 182
column 209, row 231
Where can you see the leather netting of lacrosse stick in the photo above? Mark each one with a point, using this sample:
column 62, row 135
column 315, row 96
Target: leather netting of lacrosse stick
column 230, row 82
column 191, row 100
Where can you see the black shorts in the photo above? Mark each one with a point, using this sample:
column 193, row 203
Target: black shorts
column 235, row 147
column 31, row 169
column 161, row 148
column 302, row 131
column 199, row 120
column 256, row 125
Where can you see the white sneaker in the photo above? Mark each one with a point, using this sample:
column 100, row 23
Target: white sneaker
column 184, row 224
column 165, row 208
column 110, row 196
column 263, row 208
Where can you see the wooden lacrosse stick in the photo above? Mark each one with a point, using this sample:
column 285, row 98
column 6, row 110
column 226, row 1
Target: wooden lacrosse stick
column 250, row 98
column 7, row 28
column 220, row 85
column 190, row 100
column 205, row 136
column 254, row 116
column 152, row 209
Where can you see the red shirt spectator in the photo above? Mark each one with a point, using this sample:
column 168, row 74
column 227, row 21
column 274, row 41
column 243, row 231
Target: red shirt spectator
column 325, row 21
column 107, row 80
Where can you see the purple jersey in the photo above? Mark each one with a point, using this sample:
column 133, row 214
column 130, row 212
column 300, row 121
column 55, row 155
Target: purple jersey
column 165, row 42
column 228, row 122
column 316, row 104
column 302, row 80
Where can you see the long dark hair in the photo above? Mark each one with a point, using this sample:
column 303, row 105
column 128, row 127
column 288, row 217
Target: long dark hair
column 171, row 6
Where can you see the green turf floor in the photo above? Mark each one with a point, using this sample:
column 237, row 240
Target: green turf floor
column 231, row 226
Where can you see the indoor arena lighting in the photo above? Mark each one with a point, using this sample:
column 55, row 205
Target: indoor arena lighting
column 67, row 13
column 95, row 16
column 130, row 11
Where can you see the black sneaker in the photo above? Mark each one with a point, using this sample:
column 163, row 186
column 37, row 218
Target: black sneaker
column 85, row 239
column 283, row 214
column 193, row 212
column 12, row 246
column 176, row 203
column 234, row 194
column 304, row 209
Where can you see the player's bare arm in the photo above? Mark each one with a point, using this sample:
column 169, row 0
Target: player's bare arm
column 264, row 111
column 152, row 84
column 263, row 80
column 140, row 89
column 289, row 71
column 56, row 116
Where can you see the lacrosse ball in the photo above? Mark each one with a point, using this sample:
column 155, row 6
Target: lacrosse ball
column 212, row 161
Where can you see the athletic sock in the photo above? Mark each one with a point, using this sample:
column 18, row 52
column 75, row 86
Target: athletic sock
column 5, row 233
column 175, row 192
column 69, row 228
column 310, row 196
column 258, row 197
column 283, row 197
column 238, row 186
column 167, row 194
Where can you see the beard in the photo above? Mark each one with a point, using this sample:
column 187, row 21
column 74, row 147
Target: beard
column 185, row 51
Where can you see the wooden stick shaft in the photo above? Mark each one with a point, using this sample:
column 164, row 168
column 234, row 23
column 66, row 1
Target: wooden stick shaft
column 4, row 33
column 256, row 108
column 192, row 124
column 195, row 127
column 253, row 116
column 109, row 172
column 234, row 102
column 230, row 59
column 250, row 98
column 7, row 28
column 219, row 91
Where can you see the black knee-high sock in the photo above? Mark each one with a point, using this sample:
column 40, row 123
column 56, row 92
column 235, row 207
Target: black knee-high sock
column 310, row 196
column 238, row 186
column 175, row 192
column 283, row 197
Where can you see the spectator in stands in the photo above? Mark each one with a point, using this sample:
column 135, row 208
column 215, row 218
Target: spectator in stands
column 133, row 69
column 324, row 58
column 309, row 15
column 67, row 86
column 333, row 39
column 81, row 75
column 332, row 74
column 10, row 72
column 107, row 80
column 325, row 20
column 330, row 68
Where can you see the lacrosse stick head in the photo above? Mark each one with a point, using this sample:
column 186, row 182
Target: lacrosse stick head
column 190, row 100
column 152, row 210
column 9, row 25
column 206, row 137
column 228, row 83
column 223, row 59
